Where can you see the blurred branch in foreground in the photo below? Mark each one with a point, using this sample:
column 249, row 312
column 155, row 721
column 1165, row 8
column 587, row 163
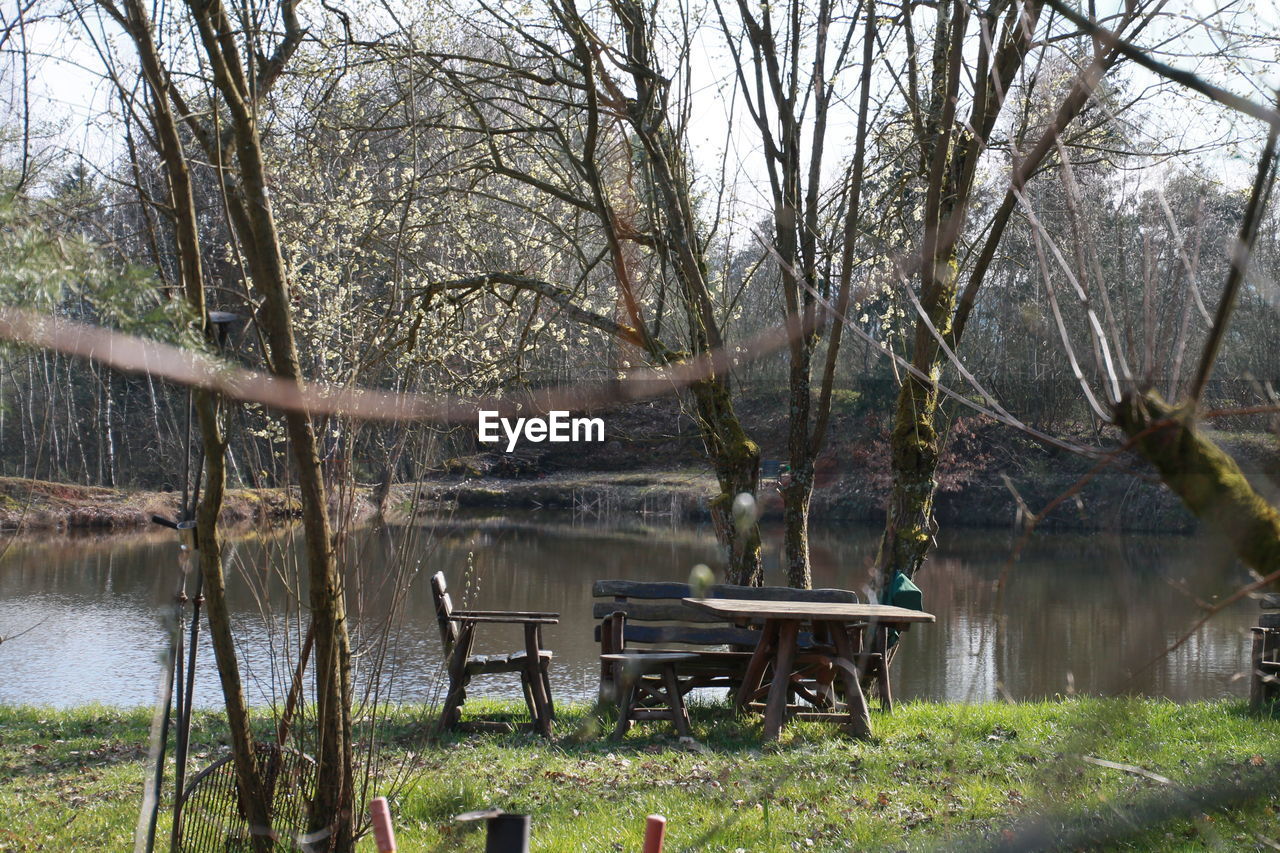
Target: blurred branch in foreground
column 1232, row 786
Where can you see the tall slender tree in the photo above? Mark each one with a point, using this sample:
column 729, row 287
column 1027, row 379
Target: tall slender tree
column 598, row 102
column 989, row 46
column 228, row 133
column 788, row 58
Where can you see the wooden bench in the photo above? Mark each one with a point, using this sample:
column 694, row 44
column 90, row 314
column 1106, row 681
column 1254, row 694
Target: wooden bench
column 648, row 617
column 1264, row 661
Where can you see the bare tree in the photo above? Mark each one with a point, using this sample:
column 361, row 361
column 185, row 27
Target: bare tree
column 228, row 133
column 164, row 129
column 599, row 106
column 945, row 280
column 797, row 52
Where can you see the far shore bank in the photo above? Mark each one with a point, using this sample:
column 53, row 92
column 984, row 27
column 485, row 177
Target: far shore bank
column 653, row 465
column 1109, row 501
column 34, row 506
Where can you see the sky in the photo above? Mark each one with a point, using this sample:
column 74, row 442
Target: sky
column 69, row 96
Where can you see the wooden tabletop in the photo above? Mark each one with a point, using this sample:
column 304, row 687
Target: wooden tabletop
column 651, row 657
column 735, row 608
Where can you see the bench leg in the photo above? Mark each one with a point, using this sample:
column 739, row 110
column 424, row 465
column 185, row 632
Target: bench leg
column 546, row 690
column 537, row 687
column 626, row 687
column 458, row 678
column 528, row 698
column 675, row 701
column 452, row 712
column 1262, row 683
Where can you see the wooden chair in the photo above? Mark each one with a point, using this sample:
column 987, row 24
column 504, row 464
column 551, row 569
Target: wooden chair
column 457, row 635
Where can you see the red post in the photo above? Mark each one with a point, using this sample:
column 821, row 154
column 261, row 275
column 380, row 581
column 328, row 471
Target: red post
column 383, row 835
column 655, row 830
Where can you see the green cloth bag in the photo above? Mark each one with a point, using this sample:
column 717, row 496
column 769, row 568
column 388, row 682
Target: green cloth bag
column 901, row 592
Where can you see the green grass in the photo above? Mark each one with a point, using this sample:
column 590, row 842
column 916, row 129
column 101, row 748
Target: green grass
column 936, row 775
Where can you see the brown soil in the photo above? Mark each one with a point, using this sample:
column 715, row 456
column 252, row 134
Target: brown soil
column 33, row 505
column 651, row 463
column 989, row 476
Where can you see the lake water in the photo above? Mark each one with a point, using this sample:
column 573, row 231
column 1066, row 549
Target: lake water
column 1089, row 614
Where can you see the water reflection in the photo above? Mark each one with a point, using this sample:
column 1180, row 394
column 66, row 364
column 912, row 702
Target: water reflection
column 1083, row 613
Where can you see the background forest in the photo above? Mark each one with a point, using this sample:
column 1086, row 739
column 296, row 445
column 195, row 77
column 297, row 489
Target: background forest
column 409, row 149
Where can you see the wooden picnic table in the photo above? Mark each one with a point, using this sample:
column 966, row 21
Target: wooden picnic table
column 782, row 622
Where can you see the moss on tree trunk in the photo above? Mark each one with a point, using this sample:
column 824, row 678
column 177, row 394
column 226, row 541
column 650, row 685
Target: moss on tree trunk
column 736, row 461
column 915, row 444
column 909, row 523
column 1209, row 481
column 796, row 498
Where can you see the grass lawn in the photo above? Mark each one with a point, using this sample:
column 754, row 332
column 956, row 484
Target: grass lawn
column 936, row 776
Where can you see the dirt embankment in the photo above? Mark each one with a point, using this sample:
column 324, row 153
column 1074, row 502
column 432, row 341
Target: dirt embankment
column 652, row 463
column 32, row 505
column 990, row 475
column 1110, row 501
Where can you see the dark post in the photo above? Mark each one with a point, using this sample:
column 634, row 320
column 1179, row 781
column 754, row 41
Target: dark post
column 508, row 833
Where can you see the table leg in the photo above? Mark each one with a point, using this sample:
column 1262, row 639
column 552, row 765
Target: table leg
column 847, row 664
column 775, row 712
column 882, row 673
column 754, row 676
column 533, row 664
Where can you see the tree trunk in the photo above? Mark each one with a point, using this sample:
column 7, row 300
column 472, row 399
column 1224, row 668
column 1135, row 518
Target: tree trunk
column 797, row 493
column 382, row 490
column 915, row 444
column 796, row 496
column 249, row 204
column 190, row 270
column 209, row 545
column 734, row 457
column 736, row 461
column 1209, row 481
column 332, row 808
column 914, row 448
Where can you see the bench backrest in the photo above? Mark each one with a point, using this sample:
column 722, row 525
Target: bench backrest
column 659, row 601
column 444, row 610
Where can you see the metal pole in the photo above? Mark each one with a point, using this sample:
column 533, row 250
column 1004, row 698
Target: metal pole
column 184, row 718
column 187, row 532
